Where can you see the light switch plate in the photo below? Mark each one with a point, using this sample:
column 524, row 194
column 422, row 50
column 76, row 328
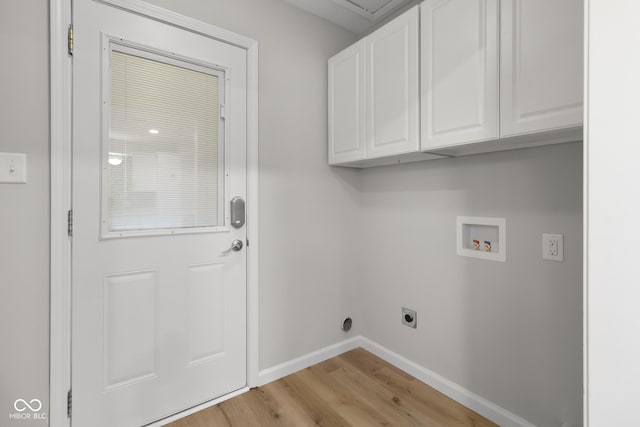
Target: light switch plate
column 13, row 168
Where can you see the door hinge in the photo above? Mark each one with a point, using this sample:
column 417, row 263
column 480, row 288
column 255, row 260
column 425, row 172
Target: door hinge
column 69, row 399
column 70, row 40
column 222, row 112
column 70, row 222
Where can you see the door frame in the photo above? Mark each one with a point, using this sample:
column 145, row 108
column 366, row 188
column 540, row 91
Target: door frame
column 60, row 18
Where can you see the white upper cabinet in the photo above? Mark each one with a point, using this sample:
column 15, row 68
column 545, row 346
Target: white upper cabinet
column 392, row 89
column 458, row 77
column 541, row 67
column 459, row 72
column 374, row 98
column 347, row 105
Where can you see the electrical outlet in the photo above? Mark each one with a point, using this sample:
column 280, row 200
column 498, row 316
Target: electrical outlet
column 553, row 247
column 409, row 318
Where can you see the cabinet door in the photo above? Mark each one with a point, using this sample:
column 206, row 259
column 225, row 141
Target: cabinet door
column 459, row 72
column 541, row 65
column 347, row 105
column 392, row 87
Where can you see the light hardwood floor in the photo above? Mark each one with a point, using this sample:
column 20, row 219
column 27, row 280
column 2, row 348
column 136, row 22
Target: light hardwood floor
column 354, row 389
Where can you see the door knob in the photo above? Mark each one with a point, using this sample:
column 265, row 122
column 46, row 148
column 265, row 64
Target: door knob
column 236, row 245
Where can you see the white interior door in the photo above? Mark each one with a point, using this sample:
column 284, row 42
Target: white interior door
column 159, row 150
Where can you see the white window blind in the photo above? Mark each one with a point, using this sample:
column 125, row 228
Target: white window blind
column 164, row 161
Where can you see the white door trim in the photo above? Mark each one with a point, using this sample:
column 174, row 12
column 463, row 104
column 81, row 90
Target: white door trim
column 60, row 134
column 60, row 262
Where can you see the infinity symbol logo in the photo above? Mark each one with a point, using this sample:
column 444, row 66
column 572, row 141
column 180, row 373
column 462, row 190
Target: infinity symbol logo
column 21, row 405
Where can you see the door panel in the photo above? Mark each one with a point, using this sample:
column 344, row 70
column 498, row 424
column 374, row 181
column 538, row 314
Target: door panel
column 541, row 65
column 459, row 72
column 129, row 328
column 392, row 87
column 347, row 105
column 206, row 286
column 158, row 314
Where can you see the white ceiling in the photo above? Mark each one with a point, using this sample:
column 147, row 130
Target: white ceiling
column 355, row 15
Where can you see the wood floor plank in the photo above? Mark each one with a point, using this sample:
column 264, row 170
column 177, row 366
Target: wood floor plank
column 367, row 362
column 239, row 413
column 277, row 396
column 387, row 402
column 426, row 402
column 318, row 409
column 210, row 417
column 329, row 365
column 355, row 409
column 430, row 402
column 268, row 414
column 355, row 389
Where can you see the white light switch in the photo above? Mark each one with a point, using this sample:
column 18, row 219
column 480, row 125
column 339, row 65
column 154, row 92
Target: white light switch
column 13, row 168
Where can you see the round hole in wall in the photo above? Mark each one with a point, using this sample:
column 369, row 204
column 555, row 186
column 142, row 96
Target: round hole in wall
column 346, row 324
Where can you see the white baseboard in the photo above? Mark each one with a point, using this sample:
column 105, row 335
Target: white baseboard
column 465, row 397
column 282, row 370
column 460, row 394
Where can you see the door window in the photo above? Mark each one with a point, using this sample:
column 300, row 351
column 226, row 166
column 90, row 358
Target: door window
column 163, row 166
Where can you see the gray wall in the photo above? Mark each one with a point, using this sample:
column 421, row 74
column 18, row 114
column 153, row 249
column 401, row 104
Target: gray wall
column 24, row 208
column 509, row 332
